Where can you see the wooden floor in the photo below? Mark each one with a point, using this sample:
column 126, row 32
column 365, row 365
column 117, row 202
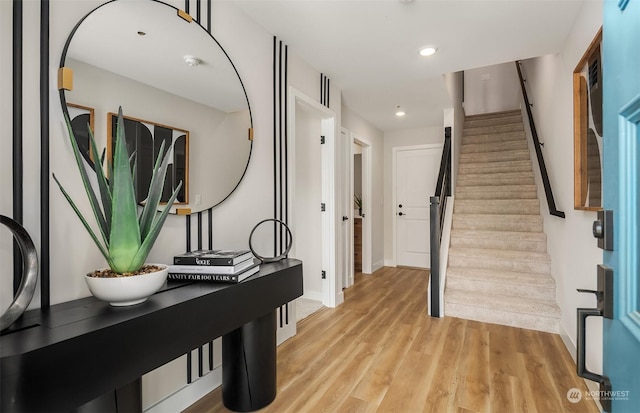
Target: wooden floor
column 380, row 352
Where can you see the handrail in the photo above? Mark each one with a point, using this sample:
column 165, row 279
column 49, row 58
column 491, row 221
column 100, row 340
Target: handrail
column 437, row 206
column 536, row 143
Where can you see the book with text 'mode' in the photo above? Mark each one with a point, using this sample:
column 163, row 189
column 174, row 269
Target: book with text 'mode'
column 212, row 269
column 220, row 278
column 212, row 257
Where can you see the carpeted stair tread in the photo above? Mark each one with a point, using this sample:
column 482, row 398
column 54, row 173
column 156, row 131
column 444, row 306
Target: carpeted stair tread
column 493, row 167
column 484, row 147
column 495, row 206
column 502, row 120
column 500, row 254
column 532, row 314
column 483, row 130
column 495, row 137
column 518, row 223
column 503, row 277
column 496, row 192
column 514, row 155
column 493, row 115
column 480, row 280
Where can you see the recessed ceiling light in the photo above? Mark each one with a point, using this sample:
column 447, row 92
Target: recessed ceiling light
column 428, row 51
column 399, row 112
column 192, row 60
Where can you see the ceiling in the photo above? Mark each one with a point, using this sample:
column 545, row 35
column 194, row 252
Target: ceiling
column 369, row 48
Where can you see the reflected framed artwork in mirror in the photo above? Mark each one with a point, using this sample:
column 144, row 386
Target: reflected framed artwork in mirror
column 587, row 128
column 82, row 119
column 158, row 63
column 144, row 139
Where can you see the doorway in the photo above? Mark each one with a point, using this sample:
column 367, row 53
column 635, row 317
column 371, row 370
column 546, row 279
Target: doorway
column 311, row 161
column 360, row 182
column 415, row 172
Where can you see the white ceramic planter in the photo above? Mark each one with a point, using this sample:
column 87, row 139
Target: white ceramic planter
column 125, row 291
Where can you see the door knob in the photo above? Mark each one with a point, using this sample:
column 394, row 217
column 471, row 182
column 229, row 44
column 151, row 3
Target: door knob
column 401, row 214
column 400, row 206
column 344, row 217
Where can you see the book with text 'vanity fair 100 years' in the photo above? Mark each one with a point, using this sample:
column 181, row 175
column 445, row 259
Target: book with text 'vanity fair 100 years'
column 212, row 257
column 219, row 278
column 212, row 269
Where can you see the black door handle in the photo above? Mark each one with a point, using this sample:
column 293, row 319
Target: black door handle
column 344, row 217
column 604, row 308
column 401, row 214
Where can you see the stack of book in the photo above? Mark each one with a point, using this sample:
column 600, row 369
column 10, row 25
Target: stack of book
column 230, row 266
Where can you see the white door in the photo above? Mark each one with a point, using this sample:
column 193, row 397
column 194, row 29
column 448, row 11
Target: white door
column 416, row 176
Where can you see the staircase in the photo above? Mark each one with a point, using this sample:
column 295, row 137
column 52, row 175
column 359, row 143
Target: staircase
column 499, row 271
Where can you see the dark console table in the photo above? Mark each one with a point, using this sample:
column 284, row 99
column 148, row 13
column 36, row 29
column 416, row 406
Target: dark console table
column 78, row 351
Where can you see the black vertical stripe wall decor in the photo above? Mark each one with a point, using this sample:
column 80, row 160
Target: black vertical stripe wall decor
column 45, row 289
column 17, row 137
column 325, row 92
column 17, row 151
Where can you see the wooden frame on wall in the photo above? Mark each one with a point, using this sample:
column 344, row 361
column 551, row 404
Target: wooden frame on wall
column 149, row 143
column 587, row 128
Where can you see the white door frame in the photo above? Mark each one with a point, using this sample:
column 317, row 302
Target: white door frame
column 367, row 172
column 347, row 205
column 394, row 181
column 332, row 294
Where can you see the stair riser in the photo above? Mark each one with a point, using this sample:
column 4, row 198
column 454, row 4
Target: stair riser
column 496, row 175
column 503, row 225
column 505, row 120
column 498, row 209
column 493, row 147
column 500, row 264
column 512, row 290
column 486, row 315
column 499, row 243
column 494, row 138
column 461, row 194
column 494, row 157
column 489, row 181
column 518, row 127
column 494, row 115
column 495, row 168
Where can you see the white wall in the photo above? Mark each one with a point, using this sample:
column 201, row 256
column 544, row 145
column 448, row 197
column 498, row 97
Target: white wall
column 395, row 139
column 573, row 250
column 454, row 85
column 491, row 89
column 364, row 130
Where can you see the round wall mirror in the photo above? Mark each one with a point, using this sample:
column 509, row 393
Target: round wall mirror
column 174, row 82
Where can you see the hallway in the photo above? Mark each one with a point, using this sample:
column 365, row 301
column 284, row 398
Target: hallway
column 380, row 352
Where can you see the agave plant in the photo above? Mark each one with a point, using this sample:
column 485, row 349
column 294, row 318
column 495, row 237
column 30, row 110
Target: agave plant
column 127, row 236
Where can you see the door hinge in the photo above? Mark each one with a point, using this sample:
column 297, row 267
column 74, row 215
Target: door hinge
column 322, row 140
column 324, row 275
column 323, row 207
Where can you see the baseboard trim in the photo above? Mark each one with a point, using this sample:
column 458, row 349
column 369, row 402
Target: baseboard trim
column 378, row 265
column 313, row 295
column 189, row 394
